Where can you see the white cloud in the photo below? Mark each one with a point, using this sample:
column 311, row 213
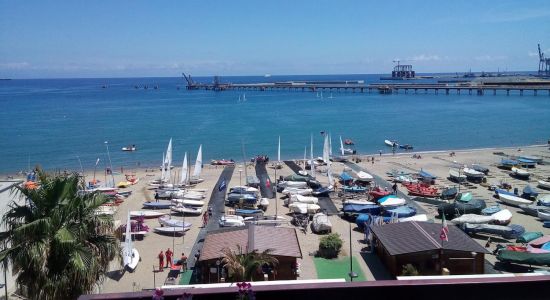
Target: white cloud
column 425, row 57
column 491, row 57
column 15, row 65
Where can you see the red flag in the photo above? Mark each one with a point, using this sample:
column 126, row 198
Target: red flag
column 268, row 183
column 444, row 235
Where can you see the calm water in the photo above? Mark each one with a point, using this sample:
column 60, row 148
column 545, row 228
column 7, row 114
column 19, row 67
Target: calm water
column 56, row 122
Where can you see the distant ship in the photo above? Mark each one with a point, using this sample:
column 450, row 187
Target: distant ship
column 267, row 75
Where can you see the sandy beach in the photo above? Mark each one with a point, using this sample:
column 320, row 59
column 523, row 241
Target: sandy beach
column 146, row 276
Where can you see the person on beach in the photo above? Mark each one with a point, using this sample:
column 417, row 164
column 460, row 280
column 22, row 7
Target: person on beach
column 380, row 151
column 169, row 255
column 161, row 261
column 204, row 219
column 156, row 196
column 182, row 262
column 394, row 188
column 372, row 160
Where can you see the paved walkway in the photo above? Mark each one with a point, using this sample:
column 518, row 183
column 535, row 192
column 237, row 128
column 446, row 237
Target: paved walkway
column 261, row 173
column 217, row 203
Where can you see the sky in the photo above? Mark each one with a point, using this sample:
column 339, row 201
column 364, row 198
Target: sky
column 136, row 38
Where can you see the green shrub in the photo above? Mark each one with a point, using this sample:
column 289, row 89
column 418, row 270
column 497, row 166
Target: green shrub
column 409, row 270
column 330, row 245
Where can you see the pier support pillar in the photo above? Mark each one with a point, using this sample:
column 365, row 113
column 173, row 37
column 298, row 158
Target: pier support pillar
column 416, row 90
column 521, row 92
column 406, row 90
column 458, row 91
column 507, row 92
column 436, row 91
column 495, row 92
column 535, row 92
column 446, row 91
column 425, row 91
column 480, row 92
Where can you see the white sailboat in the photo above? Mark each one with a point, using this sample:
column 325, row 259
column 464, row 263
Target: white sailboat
column 244, row 97
column 168, row 162
column 311, row 162
column 184, row 171
column 130, row 254
column 197, row 169
column 278, row 164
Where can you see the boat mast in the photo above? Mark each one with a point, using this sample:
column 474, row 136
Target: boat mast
column 311, row 157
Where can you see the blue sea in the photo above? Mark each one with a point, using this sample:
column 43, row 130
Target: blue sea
column 62, row 123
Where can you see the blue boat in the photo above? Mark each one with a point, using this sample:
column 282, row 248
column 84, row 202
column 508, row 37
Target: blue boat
column 323, row 191
column 491, row 210
column 344, row 177
column 406, row 147
column 480, row 168
column 508, row 163
column 529, row 193
column 363, row 219
column 504, row 192
column 381, row 200
column 249, row 212
column 234, row 198
column 354, row 189
column 427, row 176
column 401, row 212
column 161, row 204
column 372, row 209
column 527, row 163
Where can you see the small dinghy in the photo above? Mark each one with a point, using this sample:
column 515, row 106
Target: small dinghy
column 323, row 191
column 264, row 204
column 354, row 189
column 358, row 201
column 188, row 202
column 464, row 197
column 456, row 176
column 231, row 221
column 449, row 193
column 473, row 174
column 188, row 210
column 129, row 148
column 391, row 143
column 294, row 184
column 364, row 177
column 532, row 209
column 417, row 218
column 544, row 184
column 544, row 215
column 508, row 232
column 147, row 214
column 400, row 212
column 390, row 201
column 379, row 192
column 529, row 193
column 302, row 199
column 544, row 200
column 304, row 208
column 249, row 212
column 161, row 204
column 491, row 210
column 520, row 173
column 503, row 217
column 536, row 159
column 171, row 230
column 480, row 168
column 472, row 219
column 508, row 163
column 321, row 223
column 169, row 222
column 372, row 209
column 513, row 200
column 297, row 191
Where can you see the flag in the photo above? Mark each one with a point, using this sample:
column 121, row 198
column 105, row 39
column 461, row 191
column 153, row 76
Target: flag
column 444, row 235
column 222, row 186
column 268, row 183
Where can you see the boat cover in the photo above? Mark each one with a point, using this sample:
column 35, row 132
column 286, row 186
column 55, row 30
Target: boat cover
column 529, row 192
column 426, row 175
column 345, row 176
column 537, row 259
column 507, row 232
column 528, row 237
column 540, row 241
column 449, row 193
column 362, row 208
column 401, row 211
column 296, row 177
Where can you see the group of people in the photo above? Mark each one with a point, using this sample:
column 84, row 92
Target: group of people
column 169, row 260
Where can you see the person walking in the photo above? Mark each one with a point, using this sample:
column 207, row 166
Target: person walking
column 161, row 261
column 183, row 262
column 156, row 196
column 169, row 255
column 394, row 187
column 204, row 219
column 380, row 151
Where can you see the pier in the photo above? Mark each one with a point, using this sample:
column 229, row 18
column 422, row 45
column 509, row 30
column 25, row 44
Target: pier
column 471, row 88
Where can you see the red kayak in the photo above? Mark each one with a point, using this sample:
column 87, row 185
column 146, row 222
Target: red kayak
column 378, row 193
column 421, row 190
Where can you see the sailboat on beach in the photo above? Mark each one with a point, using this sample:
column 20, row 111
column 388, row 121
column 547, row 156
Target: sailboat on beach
column 130, row 255
column 184, row 178
column 278, row 164
column 195, row 178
